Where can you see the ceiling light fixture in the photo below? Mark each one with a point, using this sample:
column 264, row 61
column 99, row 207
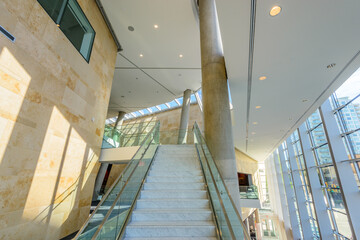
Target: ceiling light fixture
column 262, row 78
column 253, row 133
column 141, row 55
column 131, row 28
column 257, row 107
column 180, row 56
column 275, row 11
column 331, row 65
column 156, row 26
column 255, row 123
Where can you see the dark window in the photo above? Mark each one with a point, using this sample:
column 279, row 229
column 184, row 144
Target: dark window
column 72, row 21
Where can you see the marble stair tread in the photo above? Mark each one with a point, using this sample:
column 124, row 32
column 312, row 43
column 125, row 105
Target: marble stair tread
column 170, row 223
column 171, row 229
column 185, row 203
column 173, row 193
column 155, row 172
column 178, row 185
column 171, row 238
column 171, row 179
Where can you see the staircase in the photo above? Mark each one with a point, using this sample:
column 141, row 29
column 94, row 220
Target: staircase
column 173, row 203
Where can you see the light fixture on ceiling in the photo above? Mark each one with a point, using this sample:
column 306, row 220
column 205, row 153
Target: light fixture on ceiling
column 331, row 65
column 253, row 133
column 262, row 78
column 257, row 107
column 141, row 55
column 131, row 28
column 156, row 26
column 180, row 56
column 255, row 123
column 275, row 11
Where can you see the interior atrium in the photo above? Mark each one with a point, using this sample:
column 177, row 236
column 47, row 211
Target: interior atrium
column 187, row 119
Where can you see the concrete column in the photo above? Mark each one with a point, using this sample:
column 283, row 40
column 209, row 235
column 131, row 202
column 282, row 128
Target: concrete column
column 344, row 172
column 299, row 192
column 119, row 118
column 99, row 180
column 184, row 120
column 217, row 119
column 323, row 220
column 290, row 196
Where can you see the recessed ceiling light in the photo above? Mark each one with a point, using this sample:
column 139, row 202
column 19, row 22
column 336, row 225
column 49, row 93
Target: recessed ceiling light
column 253, row 133
column 131, row 28
column 255, row 123
column 262, row 78
column 257, row 107
column 180, row 56
column 156, row 26
column 331, row 65
column 275, row 11
column 141, row 55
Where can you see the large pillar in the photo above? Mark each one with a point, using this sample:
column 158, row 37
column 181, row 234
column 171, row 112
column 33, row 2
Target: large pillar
column 119, row 118
column 217, row 119
column 184, row 120
column 99, row 180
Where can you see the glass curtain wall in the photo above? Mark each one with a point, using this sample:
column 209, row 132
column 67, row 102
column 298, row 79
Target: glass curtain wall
column 289, row 178
column 327, row 176
column 295, row 142
column 345, row 103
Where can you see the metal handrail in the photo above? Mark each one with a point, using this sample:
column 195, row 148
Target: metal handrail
column 116, row 200
column 121, row 232
column 227, row 191
column 112, row 187
column 218, row 194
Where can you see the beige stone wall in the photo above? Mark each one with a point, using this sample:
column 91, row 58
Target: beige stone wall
column 48, row 143
column 245, row 164
column 170, row 123
column 115, row 172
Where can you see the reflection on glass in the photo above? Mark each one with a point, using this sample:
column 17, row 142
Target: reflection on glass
column 323, row 155
column 318, row 135
column 342, row 224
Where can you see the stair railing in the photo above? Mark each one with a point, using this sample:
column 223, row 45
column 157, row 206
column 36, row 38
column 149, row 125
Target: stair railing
column 94, row 228
column 228, row 220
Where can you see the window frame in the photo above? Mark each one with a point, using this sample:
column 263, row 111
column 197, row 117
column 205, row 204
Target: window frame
column 59, row 18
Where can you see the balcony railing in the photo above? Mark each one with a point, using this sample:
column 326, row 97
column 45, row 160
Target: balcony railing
column 249, row 192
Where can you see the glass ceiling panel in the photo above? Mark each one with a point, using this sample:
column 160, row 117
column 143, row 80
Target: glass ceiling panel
column 173, row 104
column 192, row 98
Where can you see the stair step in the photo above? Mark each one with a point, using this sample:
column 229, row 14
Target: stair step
column 171, row 215
column 174, row 185
column 171, row 238
column 171, row 229
column 166, row 193
column 174, row 173
column 174, row 179
column 157, row 203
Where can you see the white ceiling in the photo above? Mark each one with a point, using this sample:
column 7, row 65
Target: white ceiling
column 160, row 75
column 291, row 49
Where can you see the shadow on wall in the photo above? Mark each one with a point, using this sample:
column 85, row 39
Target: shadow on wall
column 48, row 152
